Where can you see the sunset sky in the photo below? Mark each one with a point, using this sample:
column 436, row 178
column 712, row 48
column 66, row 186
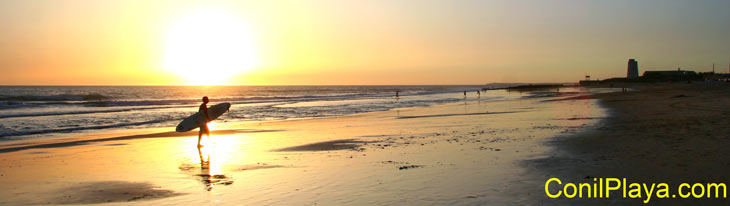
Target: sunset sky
column 68, row 42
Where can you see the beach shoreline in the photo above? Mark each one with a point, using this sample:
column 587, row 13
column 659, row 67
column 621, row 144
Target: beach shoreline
column 462, row 153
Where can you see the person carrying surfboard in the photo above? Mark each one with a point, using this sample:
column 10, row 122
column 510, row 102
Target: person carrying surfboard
column 204, row 125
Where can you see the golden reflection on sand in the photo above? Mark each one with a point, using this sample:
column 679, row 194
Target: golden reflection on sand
column 215, row 155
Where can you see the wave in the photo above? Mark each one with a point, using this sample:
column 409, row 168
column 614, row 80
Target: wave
column 40, row 114
column 242, row 113
column 37, row 115
column 72, row 129
column 166, row 104
column 97, row 100
column 62, row 97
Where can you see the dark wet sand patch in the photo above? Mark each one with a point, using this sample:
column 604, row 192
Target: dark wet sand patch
column 66, row 143
column 109, row 191
column 579, row 118
column 326, row 146
column 379, row 135
column 405, row 167
column 393, row 162
column 581, row 97
column 117, row 144
column 38, row 152
column 458, row 114
column 259, row 166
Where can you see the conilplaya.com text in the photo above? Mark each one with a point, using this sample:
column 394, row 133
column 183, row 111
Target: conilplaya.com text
column 622, row 188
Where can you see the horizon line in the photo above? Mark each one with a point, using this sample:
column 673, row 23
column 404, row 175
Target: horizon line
column 235, row 85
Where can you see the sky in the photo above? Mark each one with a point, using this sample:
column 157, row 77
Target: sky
column 342, row 42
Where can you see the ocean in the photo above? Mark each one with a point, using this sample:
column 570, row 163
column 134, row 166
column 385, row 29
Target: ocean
column 42, row 112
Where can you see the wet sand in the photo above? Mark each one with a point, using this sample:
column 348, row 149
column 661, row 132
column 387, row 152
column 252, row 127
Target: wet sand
column 466, row 153
column 671, row 133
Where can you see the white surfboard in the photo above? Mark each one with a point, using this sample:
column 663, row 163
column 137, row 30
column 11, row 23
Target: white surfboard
column 194, row 121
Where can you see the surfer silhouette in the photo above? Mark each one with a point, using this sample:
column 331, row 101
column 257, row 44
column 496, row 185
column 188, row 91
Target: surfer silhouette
column 204, row 125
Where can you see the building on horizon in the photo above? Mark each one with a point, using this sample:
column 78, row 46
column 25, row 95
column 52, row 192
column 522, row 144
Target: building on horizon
column 633, row 69
column 671, row 75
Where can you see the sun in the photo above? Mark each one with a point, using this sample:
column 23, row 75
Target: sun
column 208, row 46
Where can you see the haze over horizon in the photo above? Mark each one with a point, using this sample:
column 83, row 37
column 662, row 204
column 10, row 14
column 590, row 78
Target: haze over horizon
column 332, row 42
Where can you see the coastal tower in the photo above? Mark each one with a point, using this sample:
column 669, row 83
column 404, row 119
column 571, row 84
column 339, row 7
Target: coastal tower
column 633, row 69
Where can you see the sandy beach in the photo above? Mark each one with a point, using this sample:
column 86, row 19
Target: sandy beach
column 465, row 153
column 671, row 133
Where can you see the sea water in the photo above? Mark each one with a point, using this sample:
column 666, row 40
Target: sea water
column 33, row 112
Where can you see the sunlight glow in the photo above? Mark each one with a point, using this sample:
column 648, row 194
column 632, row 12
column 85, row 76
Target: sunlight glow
column 208, row 46
column 213, row 158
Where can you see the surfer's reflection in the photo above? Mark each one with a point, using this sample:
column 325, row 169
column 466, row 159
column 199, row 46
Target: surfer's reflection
column 204, row 163
column 211, row 176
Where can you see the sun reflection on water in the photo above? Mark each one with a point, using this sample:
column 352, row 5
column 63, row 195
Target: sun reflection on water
column 213, row 158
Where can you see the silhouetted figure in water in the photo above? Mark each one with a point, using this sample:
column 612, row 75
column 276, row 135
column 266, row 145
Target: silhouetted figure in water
column 203, row 110
column 396, row 94
column 464, row 93
column 479, row 94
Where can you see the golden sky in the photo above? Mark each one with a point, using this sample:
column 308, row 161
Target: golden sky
column 105, row 42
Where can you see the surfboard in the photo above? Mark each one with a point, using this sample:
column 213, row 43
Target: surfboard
column 194, row 121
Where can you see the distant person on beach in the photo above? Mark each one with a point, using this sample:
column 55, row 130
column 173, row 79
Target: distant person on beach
column 464, row 93
column 396, row 94
column 479, row 94
column 204, row 125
